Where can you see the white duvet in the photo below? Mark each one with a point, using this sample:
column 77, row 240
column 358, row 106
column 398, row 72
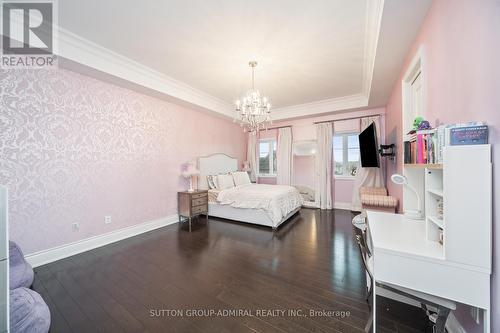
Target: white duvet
column 276, row 200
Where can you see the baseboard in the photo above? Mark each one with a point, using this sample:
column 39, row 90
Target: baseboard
column 67, row 250
column 453, row 325
column 342, row 205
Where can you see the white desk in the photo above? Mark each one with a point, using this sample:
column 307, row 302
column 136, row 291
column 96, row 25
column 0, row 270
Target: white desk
column 403, row 256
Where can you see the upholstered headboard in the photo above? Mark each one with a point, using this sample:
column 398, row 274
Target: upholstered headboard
column 214, row 164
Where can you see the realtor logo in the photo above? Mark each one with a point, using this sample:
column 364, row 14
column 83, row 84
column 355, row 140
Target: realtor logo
column 28, row 34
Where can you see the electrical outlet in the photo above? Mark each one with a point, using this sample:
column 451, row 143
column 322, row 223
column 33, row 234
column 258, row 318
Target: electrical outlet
column 75, row 227
column 107, row 219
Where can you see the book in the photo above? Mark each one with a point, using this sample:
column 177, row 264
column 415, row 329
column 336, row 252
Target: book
column 420, row 149
column 413, row 151
column 434, row 148
column 440, row 143
column 425, row 146
column 429, row 148
column 407, row 152
column 471, row 135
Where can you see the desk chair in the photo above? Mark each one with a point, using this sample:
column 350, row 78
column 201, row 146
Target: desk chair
column 437, row 308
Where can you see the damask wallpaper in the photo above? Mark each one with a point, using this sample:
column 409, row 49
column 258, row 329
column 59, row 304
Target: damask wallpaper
column 75, row 149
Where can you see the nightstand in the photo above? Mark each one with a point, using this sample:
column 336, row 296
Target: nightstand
column 191, row 204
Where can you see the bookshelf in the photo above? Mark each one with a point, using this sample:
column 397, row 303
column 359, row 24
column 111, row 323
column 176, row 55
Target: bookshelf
column 436, row 192
column 436, row 221
column 434, row 213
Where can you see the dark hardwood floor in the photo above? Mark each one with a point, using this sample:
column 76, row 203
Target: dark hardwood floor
column 153, row 282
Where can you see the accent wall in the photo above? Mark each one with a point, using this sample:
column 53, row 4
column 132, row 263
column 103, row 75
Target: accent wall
column 75, row 149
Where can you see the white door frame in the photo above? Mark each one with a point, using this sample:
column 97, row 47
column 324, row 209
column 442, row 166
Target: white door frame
column 416, row 65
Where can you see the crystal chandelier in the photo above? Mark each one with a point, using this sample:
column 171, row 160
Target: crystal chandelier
column 253, row 112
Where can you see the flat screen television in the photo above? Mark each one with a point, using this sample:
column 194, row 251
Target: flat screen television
column 368, row 148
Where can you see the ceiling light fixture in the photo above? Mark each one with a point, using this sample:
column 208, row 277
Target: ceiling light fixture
column 253, row 112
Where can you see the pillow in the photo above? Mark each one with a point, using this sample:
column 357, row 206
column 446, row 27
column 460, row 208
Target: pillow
column 224, row 182
column 212, row 181
column 241, row 178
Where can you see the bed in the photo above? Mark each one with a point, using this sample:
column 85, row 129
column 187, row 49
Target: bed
column 267, row 205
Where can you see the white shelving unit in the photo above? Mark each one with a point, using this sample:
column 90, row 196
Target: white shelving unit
column 436, row 192
column 408, row 252
column 438, row 221
column 462, row 186
column 434, row 217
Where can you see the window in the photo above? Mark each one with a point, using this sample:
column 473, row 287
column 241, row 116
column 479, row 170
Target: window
column 346, row 154
column 267, row 157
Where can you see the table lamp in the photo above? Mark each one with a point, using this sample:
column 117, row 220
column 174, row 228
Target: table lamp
column 410, row 213
column 189, row 173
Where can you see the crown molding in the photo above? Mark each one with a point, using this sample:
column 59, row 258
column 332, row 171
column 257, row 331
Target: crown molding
column 374, row 11
column 96, row 57
column 320, row 107
column 82, row 51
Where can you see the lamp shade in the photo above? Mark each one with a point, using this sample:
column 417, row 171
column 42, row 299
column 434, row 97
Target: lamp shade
column 246, row 166
column 190, row 170
column 399, row 179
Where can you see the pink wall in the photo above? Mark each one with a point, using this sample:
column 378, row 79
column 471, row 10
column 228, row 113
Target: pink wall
column 461, row 50
column 75, row 149
column 343, row 191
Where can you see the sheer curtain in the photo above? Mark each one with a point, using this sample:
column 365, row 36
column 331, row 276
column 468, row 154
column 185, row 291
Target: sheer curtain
column 284, row 156
column 324, row 180
column 371, row 177
column 252, row 155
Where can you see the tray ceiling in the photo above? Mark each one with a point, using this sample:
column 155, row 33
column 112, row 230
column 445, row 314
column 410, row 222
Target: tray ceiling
column 314, row 56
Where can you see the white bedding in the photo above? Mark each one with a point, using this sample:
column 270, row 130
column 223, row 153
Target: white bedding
column 276, row 200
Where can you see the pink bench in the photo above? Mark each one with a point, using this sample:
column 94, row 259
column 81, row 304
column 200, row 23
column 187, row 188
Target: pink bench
column 376, row 198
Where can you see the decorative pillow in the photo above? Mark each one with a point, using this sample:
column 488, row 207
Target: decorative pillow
column 212, row 181
column 224, row 182
column 241, row 178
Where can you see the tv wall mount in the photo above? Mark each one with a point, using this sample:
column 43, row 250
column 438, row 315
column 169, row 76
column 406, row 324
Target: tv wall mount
column 388, row 151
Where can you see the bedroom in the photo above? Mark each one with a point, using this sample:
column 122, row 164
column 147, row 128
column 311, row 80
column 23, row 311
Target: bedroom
column 110, row 112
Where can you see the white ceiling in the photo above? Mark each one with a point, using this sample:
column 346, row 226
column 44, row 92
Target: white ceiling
column 308, row 51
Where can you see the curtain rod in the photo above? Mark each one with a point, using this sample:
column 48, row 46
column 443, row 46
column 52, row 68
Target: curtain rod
column 325, row 121
column 351, row 118
column 271, row 128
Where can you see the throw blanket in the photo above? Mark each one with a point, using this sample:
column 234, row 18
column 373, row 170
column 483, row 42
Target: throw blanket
column 276, row 200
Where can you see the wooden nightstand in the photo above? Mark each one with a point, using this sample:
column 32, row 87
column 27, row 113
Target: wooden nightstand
column 191, row 204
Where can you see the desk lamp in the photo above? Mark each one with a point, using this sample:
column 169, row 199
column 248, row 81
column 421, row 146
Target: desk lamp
column 410, row 213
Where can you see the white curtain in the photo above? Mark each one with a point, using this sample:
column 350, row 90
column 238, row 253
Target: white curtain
column 367, row 177
column 324, row 162
column 252, row 155
column 284, row 156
